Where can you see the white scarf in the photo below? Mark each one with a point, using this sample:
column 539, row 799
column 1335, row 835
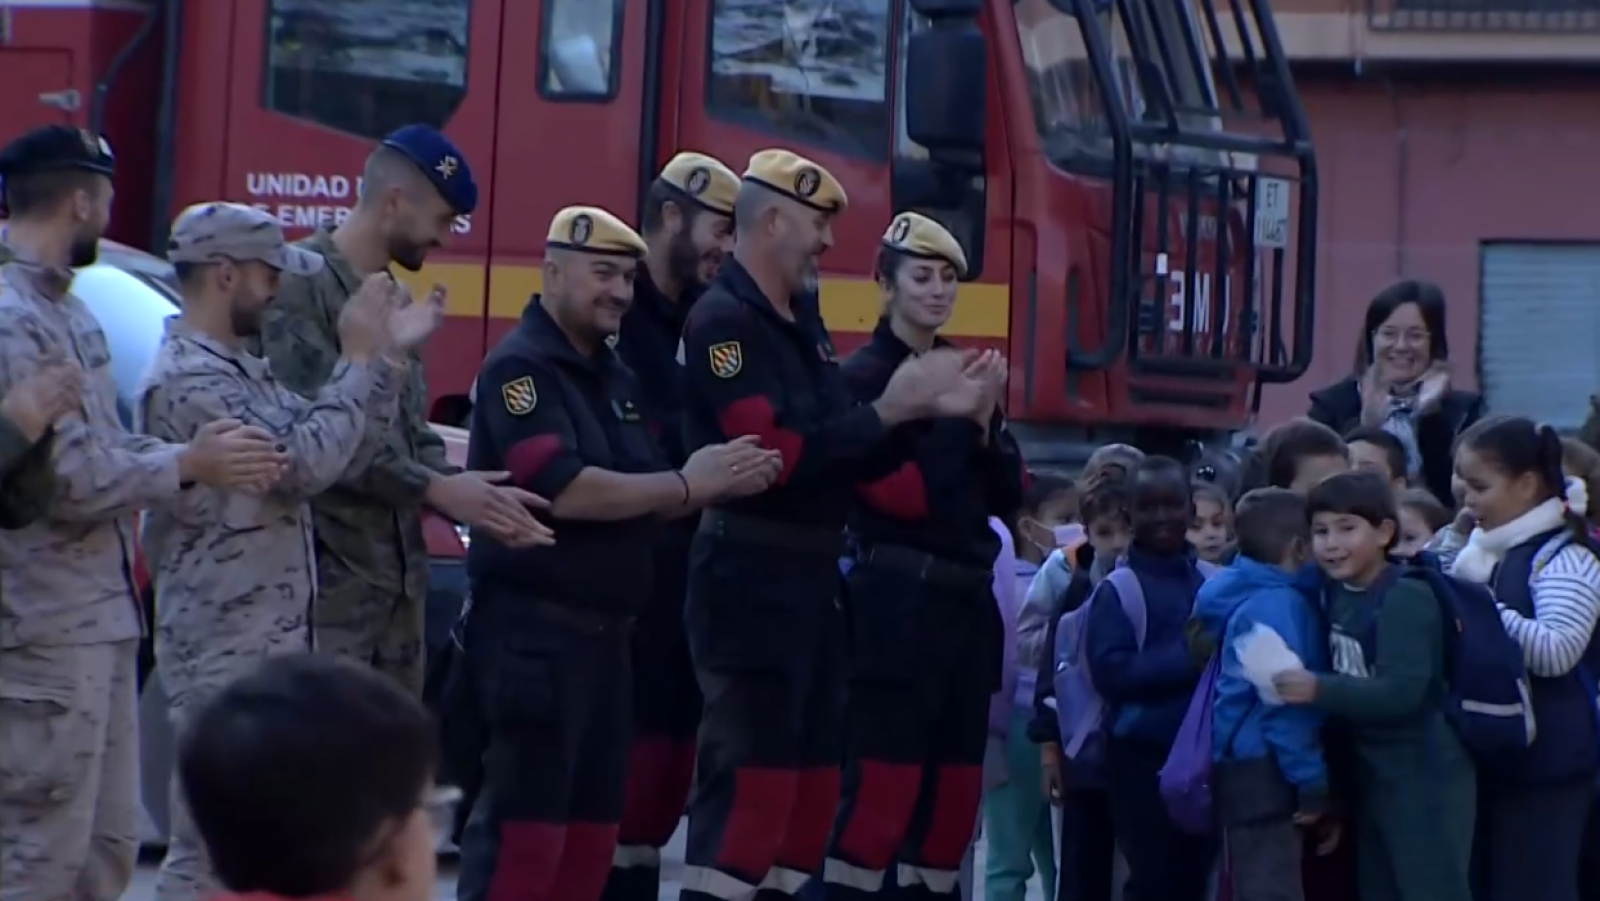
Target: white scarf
column 1486, row 548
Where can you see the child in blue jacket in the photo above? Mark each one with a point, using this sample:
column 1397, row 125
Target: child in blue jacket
column 1269, row 775
column 1147, row 685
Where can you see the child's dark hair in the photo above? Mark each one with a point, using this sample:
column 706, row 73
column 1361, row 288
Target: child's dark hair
column 1420, row 500
column 1394, row 451
column 1043, row 488
column 1107, row 498
column 1110, row 461
column 1288, row 444
column 294, row 771
column 1269, row 521
column 1518, row 446
column 1361, row 494
column 1211, row 491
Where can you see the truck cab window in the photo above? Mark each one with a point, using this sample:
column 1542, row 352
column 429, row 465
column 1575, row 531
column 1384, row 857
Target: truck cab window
column 954, row 197
column 807, row 70
column 366, row 69
column 578, row 45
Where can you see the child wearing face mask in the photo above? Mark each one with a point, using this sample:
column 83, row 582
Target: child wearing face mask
column 1414, row 785
column 1087, row 853
column 1538, row 557
column 1016, row 819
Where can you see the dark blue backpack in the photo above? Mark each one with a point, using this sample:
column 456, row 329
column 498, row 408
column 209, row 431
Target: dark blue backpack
column 1489, row 699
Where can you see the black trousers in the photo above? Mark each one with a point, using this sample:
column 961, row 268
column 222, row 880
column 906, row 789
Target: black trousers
column 767, row 636
column 1529, row 841
column 666, row 715
column 925, row 662
column 1086, row 868
column 555, row 687
column 1164, row 862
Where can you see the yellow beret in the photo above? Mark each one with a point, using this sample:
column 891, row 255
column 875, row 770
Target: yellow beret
column 703, row 179
column 798, row 178
column 916, row 235
column 589, row 229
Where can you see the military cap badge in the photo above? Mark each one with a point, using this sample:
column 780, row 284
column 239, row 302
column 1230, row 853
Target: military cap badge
column 520, row 396
column 806, row 182
column 902, row 229
column 698, row 181
column 447, row 167
column 579, row 231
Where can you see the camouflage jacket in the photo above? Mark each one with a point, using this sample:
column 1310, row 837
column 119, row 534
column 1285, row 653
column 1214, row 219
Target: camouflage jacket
column 26, row 478
column 371, row 520
column 67, row 579
column 235, row 574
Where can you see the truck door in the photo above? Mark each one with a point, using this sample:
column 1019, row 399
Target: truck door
column 38, row 86
column 573, row 96
column 289, row 96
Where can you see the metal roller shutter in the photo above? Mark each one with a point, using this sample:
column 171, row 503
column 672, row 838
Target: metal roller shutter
column 1539, row 330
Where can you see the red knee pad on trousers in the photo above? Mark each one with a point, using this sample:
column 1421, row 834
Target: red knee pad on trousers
column 527, row 862
column 757, row 821
column 816, row 801
column 956, row 795
column 880, row 813
column 585, row 862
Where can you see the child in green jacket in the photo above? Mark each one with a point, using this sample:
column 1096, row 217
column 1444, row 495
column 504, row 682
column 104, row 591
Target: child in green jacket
column 1415, row 786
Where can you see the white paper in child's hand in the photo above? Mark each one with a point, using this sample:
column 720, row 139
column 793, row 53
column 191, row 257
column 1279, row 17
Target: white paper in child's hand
column 1262, row 654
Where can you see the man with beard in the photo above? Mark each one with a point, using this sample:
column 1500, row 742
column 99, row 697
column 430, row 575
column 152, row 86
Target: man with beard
column 762, row 611
column 372, row 562
column 233, row 572
column 69, row 615
column 547, row 641
column 688, row 225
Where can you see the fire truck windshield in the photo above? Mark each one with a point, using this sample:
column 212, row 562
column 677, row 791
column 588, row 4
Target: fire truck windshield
column 1162, row 56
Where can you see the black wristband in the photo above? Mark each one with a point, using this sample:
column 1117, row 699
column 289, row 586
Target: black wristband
column 685, row 482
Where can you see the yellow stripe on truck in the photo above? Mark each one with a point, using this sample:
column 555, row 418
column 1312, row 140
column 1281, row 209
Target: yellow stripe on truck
column 848, row 304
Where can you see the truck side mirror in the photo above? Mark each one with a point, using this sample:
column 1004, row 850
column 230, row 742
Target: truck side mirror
column 946, row 67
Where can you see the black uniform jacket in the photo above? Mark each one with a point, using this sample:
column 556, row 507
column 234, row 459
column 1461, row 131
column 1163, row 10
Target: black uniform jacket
column 546, row 412
column 948, row 481
column 749, row 371
column 1338, row 406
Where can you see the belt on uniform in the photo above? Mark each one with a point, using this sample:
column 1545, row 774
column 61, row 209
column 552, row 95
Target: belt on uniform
column 924, row 567
column 770, row 532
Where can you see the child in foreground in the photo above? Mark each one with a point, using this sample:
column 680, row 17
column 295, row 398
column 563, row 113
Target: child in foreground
column 313, row 778
column 1268, row 777
column 1415, row 785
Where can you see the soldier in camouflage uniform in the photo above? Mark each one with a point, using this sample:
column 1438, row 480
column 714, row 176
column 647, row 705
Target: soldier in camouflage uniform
column 69, row 620
column 234, row 573
column 28, row 413
column 371, row 559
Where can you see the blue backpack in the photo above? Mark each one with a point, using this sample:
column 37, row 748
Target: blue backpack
column 1489, row 699
column 1080, row 711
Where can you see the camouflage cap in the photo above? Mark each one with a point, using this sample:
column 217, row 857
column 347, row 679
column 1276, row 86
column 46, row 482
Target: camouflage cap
column 211, row 232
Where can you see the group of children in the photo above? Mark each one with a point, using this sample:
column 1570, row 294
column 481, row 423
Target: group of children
column 1350, row 775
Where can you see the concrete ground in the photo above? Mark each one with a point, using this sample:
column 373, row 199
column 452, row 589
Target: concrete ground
column 144, row 881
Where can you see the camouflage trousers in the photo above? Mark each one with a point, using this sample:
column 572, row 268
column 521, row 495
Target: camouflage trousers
column 354, row 619
column 69, row 787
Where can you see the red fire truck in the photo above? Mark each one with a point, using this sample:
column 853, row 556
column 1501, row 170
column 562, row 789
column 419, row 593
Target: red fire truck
column 1132, row 179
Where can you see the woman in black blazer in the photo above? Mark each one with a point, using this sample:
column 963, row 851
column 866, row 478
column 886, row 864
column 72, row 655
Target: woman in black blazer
column 1402, row 384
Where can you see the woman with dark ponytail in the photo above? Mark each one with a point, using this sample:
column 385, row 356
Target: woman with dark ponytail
column 1536, row 554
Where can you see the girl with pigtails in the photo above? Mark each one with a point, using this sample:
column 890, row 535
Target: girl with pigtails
column 1537, row 555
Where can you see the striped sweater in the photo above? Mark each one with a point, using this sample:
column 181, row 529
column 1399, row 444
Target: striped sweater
column 1566, row 605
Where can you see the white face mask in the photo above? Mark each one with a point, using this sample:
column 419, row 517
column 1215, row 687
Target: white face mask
column 1067, row 533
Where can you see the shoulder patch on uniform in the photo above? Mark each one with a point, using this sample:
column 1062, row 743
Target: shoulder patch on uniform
column 727, row 359
column 520, row 396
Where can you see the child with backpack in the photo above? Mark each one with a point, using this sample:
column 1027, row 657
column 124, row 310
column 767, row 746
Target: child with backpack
column 1268, row 775
column 1414, row 781
column 1539, row 559
column 1016, row 817
column 1087, row 853
column 1139, row 664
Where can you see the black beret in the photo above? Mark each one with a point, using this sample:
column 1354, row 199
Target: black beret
column 55, row 148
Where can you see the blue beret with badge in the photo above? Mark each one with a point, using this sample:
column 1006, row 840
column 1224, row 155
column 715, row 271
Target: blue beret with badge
column 438, row 159
column 55, row 148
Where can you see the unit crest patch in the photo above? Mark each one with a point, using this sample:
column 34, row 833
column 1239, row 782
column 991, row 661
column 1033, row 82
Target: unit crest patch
column 520, row 396
column 727, row 359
